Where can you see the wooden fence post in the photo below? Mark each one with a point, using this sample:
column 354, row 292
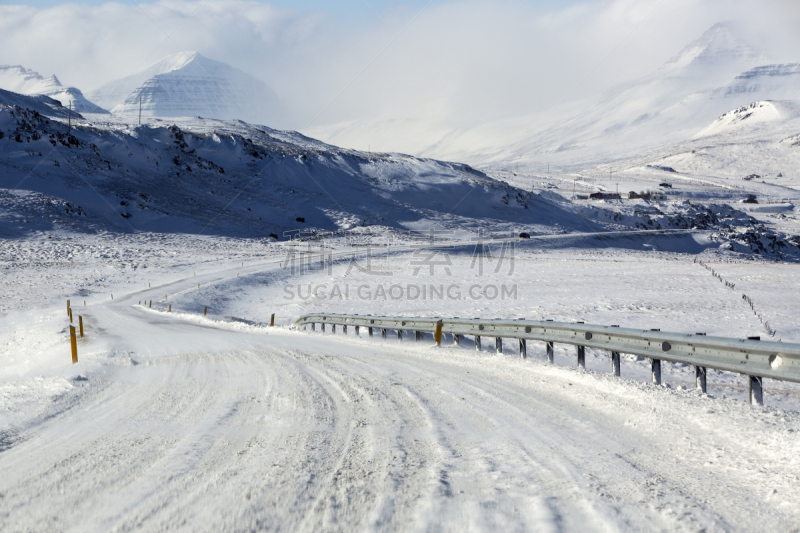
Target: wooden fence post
column 74, row 344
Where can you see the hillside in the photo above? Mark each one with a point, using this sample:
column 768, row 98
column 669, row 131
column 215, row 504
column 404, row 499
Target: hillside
column 231, row 178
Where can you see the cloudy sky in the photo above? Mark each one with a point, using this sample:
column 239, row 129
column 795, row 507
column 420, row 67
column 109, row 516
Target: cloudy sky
column 464, row 62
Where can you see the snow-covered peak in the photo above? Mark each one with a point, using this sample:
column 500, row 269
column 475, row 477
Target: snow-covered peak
column 190, row 84
column 718, row 48
column 25, row 81
column 744, row 116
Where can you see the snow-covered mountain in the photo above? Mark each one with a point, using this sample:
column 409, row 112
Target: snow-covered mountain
column 717, row 72
column 189, row 84
column 24, row 81
column 230, row 178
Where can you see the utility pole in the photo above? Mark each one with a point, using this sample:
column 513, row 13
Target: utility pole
column 69, row 120
column 140, row 109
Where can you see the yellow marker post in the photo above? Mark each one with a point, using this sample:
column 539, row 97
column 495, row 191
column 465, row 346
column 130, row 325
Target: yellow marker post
column 67, row 306
column 205, row 311
column 80, row 323
column 170, row 308
column 70, row 315
column 438, row 336
column 112, row 296
column 272, row 320
column 151, row 304
column 74, row 343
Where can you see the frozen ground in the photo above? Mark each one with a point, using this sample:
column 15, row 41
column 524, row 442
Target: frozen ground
column 176, row 421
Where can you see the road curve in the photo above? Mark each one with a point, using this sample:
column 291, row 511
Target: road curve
column 203, row 427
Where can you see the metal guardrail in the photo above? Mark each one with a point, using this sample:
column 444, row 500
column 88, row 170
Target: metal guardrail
column 751, row 357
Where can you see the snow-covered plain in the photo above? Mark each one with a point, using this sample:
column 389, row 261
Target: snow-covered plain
column 172, row 420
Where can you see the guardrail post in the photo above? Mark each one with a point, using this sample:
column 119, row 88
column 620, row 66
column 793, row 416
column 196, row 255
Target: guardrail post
column 456, row 339
column 313, row 326
column 74, row 344
column 523, row 349
column 615, row 363
column 333, row 329
column 581, row 356
column 756, row 390
column 700, row 378
column 369, row 331
column 357, row 334
column 655, row 371
column 344, row 329
column 437, row 336
column 477, row 343
column 323, row 327
column 272, row 320
column 498, row 344
column 550, row 354
column 400, row 334
column 383, row 333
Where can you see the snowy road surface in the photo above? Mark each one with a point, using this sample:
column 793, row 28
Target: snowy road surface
column 204, row 428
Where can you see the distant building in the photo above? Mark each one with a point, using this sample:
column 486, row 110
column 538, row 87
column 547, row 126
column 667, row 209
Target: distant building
column 633, row 195
column 605, row 196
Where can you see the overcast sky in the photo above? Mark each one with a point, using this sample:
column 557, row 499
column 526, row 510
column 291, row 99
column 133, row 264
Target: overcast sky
column 463, row 61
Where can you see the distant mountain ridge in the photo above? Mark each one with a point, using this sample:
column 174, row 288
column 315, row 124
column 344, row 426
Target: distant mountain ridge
column 715, row 73
column 189, row 84
column 20, row 80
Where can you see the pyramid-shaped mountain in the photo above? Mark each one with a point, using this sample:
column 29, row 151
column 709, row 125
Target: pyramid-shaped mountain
column 189, row 84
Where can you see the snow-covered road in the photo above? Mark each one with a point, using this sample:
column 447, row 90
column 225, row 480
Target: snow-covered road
column 209, row 427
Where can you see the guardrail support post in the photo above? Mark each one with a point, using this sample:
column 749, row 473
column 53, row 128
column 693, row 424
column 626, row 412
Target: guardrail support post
column 400, row 334
column 550, row 354
column 323, row 327
column 456, row 339
column 477, row 343
column 615, row 363
column 344, row 329
column 333, row 329
column 523, row 349
column 383, row 333
column 655, row 371
column 700, row 378
column 581, row 356
column 357, row 332
column 756, row 390
column 498, row 344
column 369, row 330
column 437, row 336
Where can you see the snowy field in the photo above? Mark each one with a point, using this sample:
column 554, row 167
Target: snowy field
column 179, row 421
